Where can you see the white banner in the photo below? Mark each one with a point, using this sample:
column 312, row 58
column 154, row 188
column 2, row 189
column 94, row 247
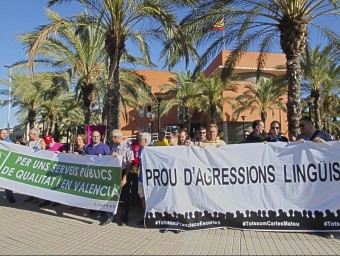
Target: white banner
column 273, row 186
column 91, row 182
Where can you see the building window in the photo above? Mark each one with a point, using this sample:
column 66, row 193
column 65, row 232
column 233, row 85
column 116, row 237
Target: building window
column 180, row 114
column 141, row 111
column 148, row 112
column 251, row 77
column 172, row 128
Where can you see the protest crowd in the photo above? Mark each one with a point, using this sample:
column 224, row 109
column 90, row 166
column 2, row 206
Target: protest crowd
column 131, row 151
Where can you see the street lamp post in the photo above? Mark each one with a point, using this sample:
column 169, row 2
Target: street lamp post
column 152, row 116
column 243, row 118
column 9, row 99
column 159, row 97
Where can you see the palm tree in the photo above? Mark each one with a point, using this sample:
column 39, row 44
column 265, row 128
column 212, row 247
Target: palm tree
column 247, row 22
column 79, row 51
column 213, row 98
column 263, row 96
column 184, row 94
column 134, row 91
column 122, row 21
column 331, row 112
column 30, row 94
column 320, row 69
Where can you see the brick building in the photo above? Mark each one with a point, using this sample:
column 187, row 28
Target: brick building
column 245, row 69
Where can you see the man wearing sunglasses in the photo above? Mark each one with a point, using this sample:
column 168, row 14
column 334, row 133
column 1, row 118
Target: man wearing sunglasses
column 275, row 133
column 309, row 133
column 200, row 136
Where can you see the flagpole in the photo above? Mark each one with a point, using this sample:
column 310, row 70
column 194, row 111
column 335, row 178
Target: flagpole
column 219, row 25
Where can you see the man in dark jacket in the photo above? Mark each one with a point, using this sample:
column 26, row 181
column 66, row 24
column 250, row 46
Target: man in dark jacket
column 256, row 134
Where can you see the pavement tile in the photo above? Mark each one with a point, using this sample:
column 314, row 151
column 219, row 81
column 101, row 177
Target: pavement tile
column 27, row 229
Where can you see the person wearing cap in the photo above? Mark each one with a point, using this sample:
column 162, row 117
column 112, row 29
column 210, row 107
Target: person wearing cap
column 57, row 147
column 121, row 147
column 9, row 193
column 51, row 145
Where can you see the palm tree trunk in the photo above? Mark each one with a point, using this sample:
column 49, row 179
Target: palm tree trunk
column 113, row 102
column 317, row 115
column 264, row 119
column 115, row 48
column 32, row 116
column 213, row 113
column 88, row 96
column 187, row 119
column 52, row 124
column 293, row 42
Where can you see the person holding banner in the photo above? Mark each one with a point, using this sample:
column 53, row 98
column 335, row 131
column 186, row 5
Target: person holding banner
column 98, row 148
column 37, row 144
column 173, row 139
column 183, row 138
column 9, row 193
column 309, row 133
column 35, row 141
column 212, row 139
column 122, row 148
column 80, row 144
column 245, row 134
column 144, row 141
column 51, row 145
column 162, row 141
column 135, row 168
column 275, row 133
column 256, row 134
column 201, row 136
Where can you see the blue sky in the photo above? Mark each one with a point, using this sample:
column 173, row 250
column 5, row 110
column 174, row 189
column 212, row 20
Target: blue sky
column 20, row 16
column 17, row 17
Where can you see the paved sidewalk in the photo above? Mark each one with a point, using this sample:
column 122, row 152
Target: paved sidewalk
column 62, row 230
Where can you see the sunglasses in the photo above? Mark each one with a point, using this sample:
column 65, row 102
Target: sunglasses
column 301, row 125
column 202, row 132
column 275, row 127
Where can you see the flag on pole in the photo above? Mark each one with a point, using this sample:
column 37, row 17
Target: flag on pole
column 219, row 24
